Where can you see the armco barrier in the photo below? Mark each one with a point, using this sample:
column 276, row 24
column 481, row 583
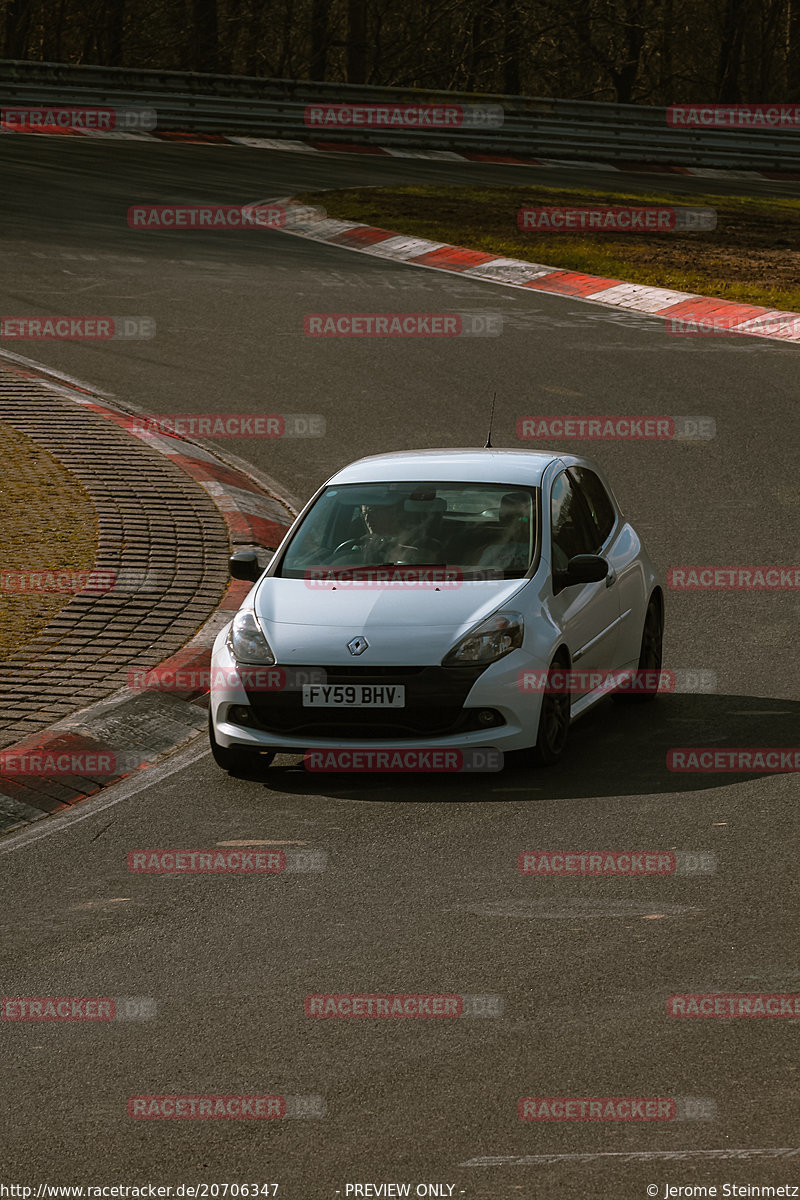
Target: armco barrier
column 275, row 108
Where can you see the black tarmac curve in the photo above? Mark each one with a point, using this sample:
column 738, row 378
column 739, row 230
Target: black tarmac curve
column 420, row 891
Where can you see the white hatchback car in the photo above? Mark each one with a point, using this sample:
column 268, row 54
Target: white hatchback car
column 417, row 596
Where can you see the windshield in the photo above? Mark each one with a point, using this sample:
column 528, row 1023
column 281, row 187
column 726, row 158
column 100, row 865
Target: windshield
column 481, row 530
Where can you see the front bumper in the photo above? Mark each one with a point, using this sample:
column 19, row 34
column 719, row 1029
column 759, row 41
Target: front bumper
column 442, row 706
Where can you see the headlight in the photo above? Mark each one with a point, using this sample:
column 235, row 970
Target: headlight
column 246, row 641
column 495, row 637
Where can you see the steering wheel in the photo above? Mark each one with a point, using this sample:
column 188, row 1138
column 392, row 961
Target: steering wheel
column 350, row 544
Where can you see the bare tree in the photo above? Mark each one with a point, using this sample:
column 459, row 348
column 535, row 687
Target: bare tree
column 18, row 14
column 206, row 35
column 652, row 51
column 356, row 41
column 115, row 32
column 730, row 51
column 624, row 69
column 320, row 34
column 793, row 52
column 512, row 48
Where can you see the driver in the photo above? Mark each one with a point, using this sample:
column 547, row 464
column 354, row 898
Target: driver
column 393, row 537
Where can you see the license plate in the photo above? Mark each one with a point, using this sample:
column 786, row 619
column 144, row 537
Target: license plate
column 354, row 695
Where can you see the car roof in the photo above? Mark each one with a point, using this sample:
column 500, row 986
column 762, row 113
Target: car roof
column 517, row 467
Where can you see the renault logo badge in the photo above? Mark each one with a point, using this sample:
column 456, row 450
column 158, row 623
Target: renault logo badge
column 358, row 645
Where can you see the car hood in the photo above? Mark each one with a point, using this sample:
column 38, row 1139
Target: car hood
column 404, row 624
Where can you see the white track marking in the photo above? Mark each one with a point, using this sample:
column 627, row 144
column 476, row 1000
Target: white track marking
column 109, row 797
column 532, row 1160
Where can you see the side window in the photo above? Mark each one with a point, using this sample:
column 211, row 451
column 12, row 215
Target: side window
column 571, row 531
column 597, row 501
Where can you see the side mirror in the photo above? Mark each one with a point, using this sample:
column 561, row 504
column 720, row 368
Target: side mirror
column 244, row 564
column 583, row 568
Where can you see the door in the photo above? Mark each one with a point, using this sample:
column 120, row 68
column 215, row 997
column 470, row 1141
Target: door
column 588, row 613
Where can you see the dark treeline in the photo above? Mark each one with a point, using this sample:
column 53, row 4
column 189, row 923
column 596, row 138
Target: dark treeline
column 637, row 51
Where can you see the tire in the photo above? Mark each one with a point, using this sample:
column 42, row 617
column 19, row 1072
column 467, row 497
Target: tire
column 236, row 760
column 650, row 653
column 554, row 719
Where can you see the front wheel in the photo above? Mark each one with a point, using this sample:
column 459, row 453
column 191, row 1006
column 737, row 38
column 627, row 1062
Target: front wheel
column 650, row 655
column 236, row 760
column 554, row 718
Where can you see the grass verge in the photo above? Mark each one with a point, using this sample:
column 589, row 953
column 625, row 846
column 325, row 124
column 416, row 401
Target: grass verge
column 49, row 524
column 752, row 257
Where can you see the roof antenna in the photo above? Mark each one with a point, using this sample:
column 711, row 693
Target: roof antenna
column 488, row 445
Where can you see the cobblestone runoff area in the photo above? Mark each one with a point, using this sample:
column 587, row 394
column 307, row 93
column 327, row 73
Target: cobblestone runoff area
column 159, row 533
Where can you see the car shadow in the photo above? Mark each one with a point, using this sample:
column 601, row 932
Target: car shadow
column 616, row 749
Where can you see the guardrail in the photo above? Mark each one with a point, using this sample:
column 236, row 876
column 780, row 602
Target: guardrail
column 249, row 106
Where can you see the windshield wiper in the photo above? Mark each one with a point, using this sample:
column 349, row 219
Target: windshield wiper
column 399, row 567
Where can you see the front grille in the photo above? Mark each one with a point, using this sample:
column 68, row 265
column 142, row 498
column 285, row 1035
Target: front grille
column 434, row 705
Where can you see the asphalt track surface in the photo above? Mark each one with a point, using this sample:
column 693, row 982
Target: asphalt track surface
column 421, row 892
